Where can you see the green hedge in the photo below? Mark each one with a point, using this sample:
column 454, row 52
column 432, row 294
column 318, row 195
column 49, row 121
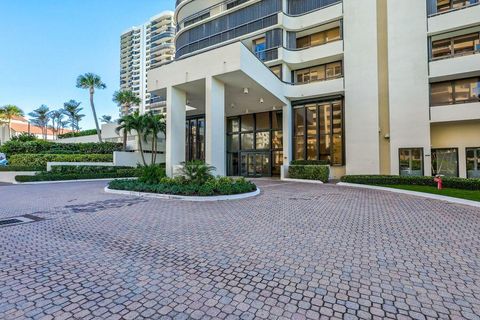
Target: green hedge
column 180, row 186
column 89, row 169
column 82, row 133
column 40, row 160
column 44, row 176
column 20, row 168
column 309, row 172
column 448, row 182
column 40, row 146
column 310, row 163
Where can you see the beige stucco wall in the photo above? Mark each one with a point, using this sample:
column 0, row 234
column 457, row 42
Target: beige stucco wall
column 459, row 135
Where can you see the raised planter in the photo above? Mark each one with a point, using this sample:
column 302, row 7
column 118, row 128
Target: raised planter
column 184, row 198
column 9, row 176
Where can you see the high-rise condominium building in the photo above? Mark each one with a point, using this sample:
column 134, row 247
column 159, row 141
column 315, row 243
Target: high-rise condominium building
column 142, row 48
column 370, row 86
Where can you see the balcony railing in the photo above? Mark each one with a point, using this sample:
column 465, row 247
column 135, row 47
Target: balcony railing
column 434, row 10
column 267, row 54
column 456, row 55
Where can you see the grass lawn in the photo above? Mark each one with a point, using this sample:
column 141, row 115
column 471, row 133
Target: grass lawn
column 456, row 193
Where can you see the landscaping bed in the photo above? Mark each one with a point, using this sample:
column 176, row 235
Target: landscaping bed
column 20, row 168
column 473, row 195
column 11, row 148
column 381, row 180
column 40, row 160
column 309, row 170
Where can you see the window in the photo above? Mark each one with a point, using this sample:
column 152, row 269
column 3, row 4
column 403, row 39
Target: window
column 318, row 132
column 277, row 70
column 319, row 73
column 195, row 139
column 473, row 162
column 455, row 92
column 445, row 5
column 319, row 38
column 445, row 162
column 461, row 45
column 411, row 161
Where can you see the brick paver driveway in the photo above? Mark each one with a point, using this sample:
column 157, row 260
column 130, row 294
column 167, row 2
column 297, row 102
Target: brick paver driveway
column 296, row 251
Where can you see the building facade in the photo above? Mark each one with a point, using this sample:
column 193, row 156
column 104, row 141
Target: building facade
column 143, row 48
column 371, row 86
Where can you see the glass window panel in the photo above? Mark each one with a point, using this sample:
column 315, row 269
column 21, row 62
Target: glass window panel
column 299, row 147
column 277, row 120
column 201, row 139
column 277, row 162
column 277, row 140
column 303, row 42
column 411, row 162
column 337, row 117
column 263, row 140
column 317, row 39
column 445, row 162
column 303, row 76
column 443, row 5
column 333, row 34
column 466, row 90
column 441, row 48
column 334, row 70
column 233, row 164
column 473, row 162
column 311, row 119
column 325, row 145
column 233, row 143
column 247, row 122
column 247, row 141
column 441, row 93
column 317, row 73
column 233, row 125
column 312, row 147
column 465, row 44
column 277, row 70
column 299, row 121
column 263, row 121
column 324, row 117
column 337, row 150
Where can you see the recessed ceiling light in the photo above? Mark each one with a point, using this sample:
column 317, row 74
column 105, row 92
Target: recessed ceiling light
column 245, row 90
column 261, row 100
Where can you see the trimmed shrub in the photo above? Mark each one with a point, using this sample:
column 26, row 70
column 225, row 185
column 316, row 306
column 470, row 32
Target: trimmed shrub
column 40, row 160
column 40, row 146
column 448, row 182
column 152, row 174
column 82, row 133
column 310, row 163
column 181, row 186
column 309, row 172
column 89, row 169
column 47, row 176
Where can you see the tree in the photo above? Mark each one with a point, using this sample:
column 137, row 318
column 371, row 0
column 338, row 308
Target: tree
column 56, row 117
column 134, row 122
column 91, row 82
column 40, row 117
column 154, row 125
column 8, row 112
column 106, row 119
column 125, row 99
column 72, row 110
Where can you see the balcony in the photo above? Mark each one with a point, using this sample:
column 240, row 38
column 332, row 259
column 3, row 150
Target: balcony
column 456, row 112
column 300, row 58
column 458, row 66
column 315, row 89
column 454, row 19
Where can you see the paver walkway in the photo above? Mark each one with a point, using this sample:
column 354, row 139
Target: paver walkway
column 296, row 251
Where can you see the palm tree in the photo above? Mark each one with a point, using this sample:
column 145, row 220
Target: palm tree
column 91, row 82
column 133, row 122
column 154, row 124
column 56, row 117
column 72, row 110
column 125, row 99
column 40, row 117
column 8, row 112
column 106, row 119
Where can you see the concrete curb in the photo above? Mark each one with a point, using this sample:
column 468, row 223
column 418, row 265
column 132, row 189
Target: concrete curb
column 183, row 198
column 414, row 193
column 302, row 181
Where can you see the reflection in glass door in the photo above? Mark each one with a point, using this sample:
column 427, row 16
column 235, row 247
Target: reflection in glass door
column 255, row 164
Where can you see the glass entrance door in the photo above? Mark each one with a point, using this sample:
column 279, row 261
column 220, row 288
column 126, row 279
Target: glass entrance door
column 255, row 164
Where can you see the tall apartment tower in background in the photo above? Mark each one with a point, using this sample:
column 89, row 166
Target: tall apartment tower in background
column 144, row 47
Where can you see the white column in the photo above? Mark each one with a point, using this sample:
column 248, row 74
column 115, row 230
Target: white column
column 215, row 144
column 287, row 134
column 175, row 139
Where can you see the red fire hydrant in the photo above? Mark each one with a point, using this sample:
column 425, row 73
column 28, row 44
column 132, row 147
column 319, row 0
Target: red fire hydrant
column 438, row 180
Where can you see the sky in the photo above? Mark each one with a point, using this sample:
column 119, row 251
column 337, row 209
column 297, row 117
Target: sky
column 46, row 44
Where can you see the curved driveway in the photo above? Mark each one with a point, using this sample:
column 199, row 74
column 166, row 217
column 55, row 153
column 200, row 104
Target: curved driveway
column 296, row 251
